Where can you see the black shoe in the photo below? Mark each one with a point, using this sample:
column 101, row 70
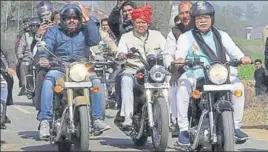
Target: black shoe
column 240, row 136
column 22, row 92
column 118, row 118
column 7, row 120
column 3, row 126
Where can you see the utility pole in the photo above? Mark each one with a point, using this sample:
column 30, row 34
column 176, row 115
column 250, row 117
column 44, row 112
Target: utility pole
column 18, row 28
column 32, row 7
column 6, row 19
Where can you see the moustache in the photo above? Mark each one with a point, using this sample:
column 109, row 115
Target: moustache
column 186, row 18
column 204, row 23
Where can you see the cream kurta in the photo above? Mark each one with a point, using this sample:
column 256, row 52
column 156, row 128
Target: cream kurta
column 153, row 42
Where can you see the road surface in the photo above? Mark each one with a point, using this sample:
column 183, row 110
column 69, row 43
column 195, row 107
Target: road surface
column 22, row 133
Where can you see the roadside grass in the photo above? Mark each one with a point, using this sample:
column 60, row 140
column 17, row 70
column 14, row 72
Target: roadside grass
column 246, row 72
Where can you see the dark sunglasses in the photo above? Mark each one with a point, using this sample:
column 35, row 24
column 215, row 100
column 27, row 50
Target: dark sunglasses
column 71, row 17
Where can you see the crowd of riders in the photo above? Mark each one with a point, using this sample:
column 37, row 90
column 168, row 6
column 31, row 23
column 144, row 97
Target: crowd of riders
column 71, row 32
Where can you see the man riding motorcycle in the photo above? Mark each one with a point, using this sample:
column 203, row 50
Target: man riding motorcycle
column 44, row 12
column 172, row 37
column 8, row 58
column 146, row 41
column 25, row 48
column 209, row 44
column 69, row 42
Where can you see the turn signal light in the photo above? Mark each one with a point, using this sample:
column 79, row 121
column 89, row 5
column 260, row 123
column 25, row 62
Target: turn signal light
column 95, row 89
column 139, row 75
column 238, row 93
column 58, row 89
column 196, row 94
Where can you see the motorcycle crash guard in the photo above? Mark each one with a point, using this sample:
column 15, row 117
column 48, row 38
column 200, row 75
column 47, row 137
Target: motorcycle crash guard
column 80, row 100
column 223, row 105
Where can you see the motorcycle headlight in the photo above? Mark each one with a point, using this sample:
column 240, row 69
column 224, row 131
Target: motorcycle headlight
column 78, row 72
column 218, row 74
column 158, row 73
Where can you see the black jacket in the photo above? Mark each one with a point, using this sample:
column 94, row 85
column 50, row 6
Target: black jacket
column 261, row 81
column 116, row 24
column 7, row 53
column 8, row 57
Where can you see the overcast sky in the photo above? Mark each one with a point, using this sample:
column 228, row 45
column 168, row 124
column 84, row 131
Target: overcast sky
column 241, row 3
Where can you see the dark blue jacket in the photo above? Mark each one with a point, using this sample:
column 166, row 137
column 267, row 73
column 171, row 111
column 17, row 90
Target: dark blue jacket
column 70, row 48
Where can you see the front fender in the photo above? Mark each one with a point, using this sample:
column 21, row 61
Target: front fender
column 80, row 100
column 223, row 105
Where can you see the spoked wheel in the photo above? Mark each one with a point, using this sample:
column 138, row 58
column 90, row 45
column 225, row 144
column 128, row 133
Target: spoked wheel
column 81, row 122
column 64, row 146
column 160, row 131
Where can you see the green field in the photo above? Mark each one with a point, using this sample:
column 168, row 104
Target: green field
column 255, row 50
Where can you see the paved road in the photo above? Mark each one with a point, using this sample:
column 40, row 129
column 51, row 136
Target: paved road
column 22, row 134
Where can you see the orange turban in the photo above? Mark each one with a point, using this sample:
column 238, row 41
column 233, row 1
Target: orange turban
column 144, row 13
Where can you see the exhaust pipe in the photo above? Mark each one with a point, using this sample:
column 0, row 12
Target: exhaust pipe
column 196, row 139
column 60, row 131
column 142, row 124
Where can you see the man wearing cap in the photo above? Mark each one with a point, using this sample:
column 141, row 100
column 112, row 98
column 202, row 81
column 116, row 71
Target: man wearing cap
column 146, row 41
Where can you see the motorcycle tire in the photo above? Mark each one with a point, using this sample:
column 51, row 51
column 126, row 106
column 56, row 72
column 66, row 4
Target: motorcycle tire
column 64, row 146
column 161, row 120
column 227, row 132
column 82, row 125
column 3, row 112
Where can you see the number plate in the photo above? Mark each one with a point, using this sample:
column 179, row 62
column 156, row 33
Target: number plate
column 25, row 63
column 224, row 87
column 98, row 69
column 156, row 85
column 77, row 84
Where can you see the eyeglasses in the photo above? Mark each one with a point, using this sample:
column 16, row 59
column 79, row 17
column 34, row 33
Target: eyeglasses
column 72, row 17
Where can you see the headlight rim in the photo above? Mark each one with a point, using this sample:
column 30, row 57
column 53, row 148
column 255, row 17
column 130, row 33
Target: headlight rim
column 226, row 71
column 71, row 67
column 152, row 73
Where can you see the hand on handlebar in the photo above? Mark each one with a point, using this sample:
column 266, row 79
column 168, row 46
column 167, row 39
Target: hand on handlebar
column 179, row 63
column 44, row 62
column 11, row 71
column 122, row 56
column 245, row 60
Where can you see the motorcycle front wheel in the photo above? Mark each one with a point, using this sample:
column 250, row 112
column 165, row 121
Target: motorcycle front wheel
column 160, row 131
column 81, row 122
column 226, row 132
column 3, row 112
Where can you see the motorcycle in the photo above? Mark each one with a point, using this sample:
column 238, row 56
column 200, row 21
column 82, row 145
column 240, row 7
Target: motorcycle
column 3, row 103
column 103, row 66
column 151, row 113
column 71, row 119
column 210, row 112
column 30, row 77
